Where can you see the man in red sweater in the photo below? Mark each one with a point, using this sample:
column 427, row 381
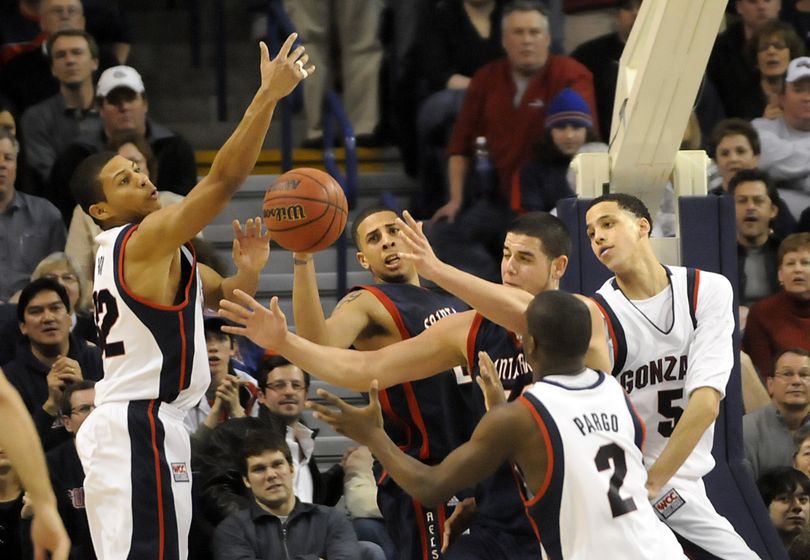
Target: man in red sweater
column 505, row 103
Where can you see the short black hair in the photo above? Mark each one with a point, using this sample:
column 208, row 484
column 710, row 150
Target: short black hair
column 732, row 127
column 35, row 287
column 85, row 184
column 755, row 176
column 550, row 230
column 65, row 408
column 627, row 202
column 781, row 480
column 268, row 364
column 560, row 324
column 257, row 442
column 92, row 46
column 365, row 213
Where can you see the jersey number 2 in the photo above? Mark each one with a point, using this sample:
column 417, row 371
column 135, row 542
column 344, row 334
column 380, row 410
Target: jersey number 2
column 106, row 316
column 618, row 505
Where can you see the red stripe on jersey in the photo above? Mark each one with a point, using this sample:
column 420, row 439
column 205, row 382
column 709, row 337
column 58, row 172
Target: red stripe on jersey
column 611, row 332
column 385, row 404
column 420, row 521
column 471, row 337
column 416, row 414
column 183, row 347
column 158, row 481
column 549, row 452
column 392, row 310
column 695, row 291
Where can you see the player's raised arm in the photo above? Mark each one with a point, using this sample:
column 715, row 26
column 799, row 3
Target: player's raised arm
column 436, row 349
column 468, row 464
column 163, row 231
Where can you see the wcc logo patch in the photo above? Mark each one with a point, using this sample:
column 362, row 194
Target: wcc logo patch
column 180, row 472
column 669, row 504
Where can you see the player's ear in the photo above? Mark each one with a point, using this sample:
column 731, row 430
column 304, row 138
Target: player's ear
column 559, row 266
column 99, row 211
column 361, row 258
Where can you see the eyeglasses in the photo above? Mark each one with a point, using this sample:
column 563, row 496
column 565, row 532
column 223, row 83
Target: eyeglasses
column 804, row 376
column 66, row 277
column 281, row 385
column 82, row 409
column 778, row 44
column 69, row 11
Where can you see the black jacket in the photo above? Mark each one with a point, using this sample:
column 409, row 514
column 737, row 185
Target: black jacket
column 67, row 479
column 310, row 532
column 770, row 250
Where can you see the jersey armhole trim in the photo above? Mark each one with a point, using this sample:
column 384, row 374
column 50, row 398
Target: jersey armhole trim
column 549, row 451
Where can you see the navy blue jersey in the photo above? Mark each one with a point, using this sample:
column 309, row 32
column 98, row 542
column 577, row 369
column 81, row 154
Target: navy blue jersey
column 428, row 418
column 498, row 499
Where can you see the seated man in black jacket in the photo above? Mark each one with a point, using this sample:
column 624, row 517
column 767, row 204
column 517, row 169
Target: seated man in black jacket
column 277, row 524
column 50, row 357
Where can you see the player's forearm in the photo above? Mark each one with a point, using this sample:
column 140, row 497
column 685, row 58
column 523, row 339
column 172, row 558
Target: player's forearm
column 245, row 279
column 702, row 410
column 350, row 369
column 20, row 441
column 457, row 168
column 310, row 322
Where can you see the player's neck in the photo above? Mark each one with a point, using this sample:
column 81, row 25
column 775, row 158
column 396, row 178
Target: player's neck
column 644, row 278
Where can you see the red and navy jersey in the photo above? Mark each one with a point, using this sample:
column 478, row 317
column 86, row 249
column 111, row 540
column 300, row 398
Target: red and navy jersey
column 427, row 418
column 498, row 501
column 151, row 351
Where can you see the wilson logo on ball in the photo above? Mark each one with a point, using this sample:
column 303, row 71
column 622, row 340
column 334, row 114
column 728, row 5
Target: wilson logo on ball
column 292, row 213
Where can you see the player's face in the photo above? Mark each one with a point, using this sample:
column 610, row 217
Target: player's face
column 81, row 405
column 796, row 104
column 614, row 233
column 46, row 321
column 794, row 272
column 129, row 194
column 69, row 281
column 802, row 459
column 270, row 478
column 526, row 40
column 286, row 392
column 569, row 138
column 524, row 265
column 220, row 352
column 124, row 110
column 734, row 153
column 789, row 511
column 754, row 212
column 790, row 384
column 380, row 244
column 57, row 15
column 8, row 169
column 72, row 64
column 756, row 12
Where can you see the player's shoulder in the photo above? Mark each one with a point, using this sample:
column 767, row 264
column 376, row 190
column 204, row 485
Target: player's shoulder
column 708, row 281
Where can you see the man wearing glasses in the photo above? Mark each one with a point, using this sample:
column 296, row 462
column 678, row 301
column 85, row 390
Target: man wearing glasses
column 67, row 475
column 768, row 431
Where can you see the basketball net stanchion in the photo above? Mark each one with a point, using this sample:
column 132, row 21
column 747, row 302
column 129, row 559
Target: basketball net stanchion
column 659, row 75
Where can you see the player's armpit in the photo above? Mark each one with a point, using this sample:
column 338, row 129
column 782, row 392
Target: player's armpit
column 597, row 356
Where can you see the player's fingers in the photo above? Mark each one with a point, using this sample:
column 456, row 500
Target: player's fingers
column 412, row 223
column 264, row 52
column 407, row 256
column 233, row 311
column 237, row 228
column 276, row 309
column 374, row 393
column 295, row 56
column 285, row 48
column 485, row 363
column 303, row 59
column 319, row 409
column 334, row 400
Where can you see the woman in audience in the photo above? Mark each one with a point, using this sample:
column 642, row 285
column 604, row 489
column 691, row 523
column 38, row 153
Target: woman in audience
column 786, row 493
column 782, row 320
column 775, row 44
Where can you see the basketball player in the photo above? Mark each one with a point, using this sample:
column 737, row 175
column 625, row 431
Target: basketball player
column 671, row 332
column 148, row 302
column 19, row 440
column 535, row 257
column 578, row 450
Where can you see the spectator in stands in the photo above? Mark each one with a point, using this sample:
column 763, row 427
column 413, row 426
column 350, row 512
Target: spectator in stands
column 797, row 13
column 50, row 357
column 801, row 450
column 540, row 183
column 67, row 475
column 354, row 26
column 730, row 68
column 27, row 179
column 63, row 269
column 786, row 139
column 28, row 79
column 108, row 23
column 786, row 493
column 601, row 56
column 278, row 523
column 121, row 98
column 52, row 125
column 768, row 431
column 505, row 104
column 756, row 201
column 30, row 227
column 772, row 48
column 782, row 320
column 12, row 535
column 232, row 392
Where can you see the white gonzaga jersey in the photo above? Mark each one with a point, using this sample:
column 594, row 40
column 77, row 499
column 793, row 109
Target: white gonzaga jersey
column 150, row 351
column 660, row 361
column 593, row 502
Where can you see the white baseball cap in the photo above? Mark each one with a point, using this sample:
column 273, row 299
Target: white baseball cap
column 798, row 69
column 119, row 76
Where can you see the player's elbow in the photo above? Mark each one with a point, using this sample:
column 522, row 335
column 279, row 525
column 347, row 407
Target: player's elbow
column 708, row 401
column 431, row 492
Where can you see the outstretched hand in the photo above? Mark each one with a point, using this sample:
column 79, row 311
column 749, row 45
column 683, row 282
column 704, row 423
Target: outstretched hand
column 266, row 327
column 357, row 423
column 281, row 74
column 251, row 247
column 420, row 253
column 490, row 382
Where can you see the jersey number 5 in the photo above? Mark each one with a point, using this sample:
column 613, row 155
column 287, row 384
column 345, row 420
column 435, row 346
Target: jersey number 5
column 668, row 410
column 106, row 316
column 606, row 454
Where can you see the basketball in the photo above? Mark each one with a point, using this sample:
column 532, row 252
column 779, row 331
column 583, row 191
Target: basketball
column 305, row 210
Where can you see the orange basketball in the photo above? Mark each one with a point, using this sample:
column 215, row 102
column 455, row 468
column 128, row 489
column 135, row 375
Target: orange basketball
column 305, row 210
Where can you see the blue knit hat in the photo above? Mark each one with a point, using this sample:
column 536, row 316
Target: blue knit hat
column 568, row 107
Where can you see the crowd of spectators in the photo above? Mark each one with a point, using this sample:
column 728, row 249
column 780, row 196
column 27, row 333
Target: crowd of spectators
column 489, row 102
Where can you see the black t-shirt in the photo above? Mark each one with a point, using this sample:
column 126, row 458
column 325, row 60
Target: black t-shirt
column 11, row 529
